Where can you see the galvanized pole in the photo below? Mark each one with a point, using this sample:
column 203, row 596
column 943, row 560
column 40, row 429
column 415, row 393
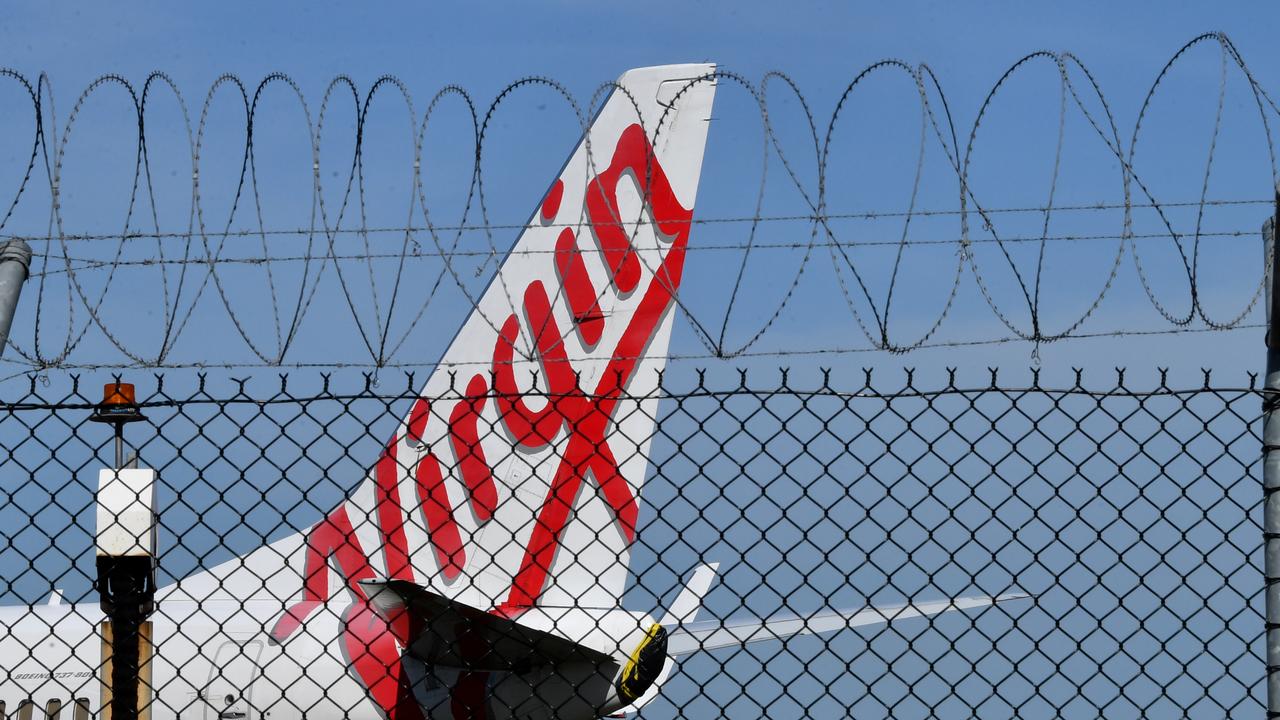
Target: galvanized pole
column 15, row 259
column 1271, row 465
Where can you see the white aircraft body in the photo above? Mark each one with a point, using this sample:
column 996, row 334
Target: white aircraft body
column 478, row 570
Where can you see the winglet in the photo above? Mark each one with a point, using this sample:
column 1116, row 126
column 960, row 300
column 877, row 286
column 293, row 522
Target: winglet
column 689, row 602
column 682, row 612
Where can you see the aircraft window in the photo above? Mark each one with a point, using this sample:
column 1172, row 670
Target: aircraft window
column 24, row 710
column 81, row 710
column 52, row 709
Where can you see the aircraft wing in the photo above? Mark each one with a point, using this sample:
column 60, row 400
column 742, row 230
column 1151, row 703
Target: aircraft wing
column 713, row 634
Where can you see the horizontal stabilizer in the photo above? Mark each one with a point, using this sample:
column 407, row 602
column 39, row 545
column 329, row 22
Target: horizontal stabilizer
column 447, row 633
column 711, row 635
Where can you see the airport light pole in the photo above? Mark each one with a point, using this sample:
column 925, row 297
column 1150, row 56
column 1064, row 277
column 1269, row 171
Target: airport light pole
column 15, row 261
column 126, row 582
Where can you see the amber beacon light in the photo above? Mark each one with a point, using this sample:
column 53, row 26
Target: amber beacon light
column 117, row 408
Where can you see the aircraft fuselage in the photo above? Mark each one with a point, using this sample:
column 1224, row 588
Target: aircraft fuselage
column 215, row 661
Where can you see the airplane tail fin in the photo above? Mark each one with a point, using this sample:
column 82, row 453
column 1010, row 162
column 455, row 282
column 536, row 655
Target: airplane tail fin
column 514, row 478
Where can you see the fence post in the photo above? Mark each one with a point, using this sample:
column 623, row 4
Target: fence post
column 1271, row 464
column 15, row 259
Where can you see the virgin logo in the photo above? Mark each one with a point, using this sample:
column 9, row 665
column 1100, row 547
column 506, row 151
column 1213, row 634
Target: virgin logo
column 582, row 414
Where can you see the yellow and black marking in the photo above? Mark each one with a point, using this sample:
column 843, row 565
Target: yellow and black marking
column 644, row 665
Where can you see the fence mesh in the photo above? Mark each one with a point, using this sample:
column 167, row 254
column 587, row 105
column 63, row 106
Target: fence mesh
column 1119, row 528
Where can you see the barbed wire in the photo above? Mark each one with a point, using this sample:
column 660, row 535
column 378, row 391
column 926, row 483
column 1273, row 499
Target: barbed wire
column 678, row 357
column 631, row 224
column 82, row 310
column 90, row 263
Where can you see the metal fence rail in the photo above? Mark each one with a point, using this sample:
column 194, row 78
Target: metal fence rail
column 1130, row 517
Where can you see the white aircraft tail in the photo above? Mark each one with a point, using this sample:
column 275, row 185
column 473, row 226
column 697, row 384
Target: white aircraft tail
column 514, row 479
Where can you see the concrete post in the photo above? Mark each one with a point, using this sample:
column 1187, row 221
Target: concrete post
column 15, row 260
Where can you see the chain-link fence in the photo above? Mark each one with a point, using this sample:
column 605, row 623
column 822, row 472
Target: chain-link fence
column 798, row 547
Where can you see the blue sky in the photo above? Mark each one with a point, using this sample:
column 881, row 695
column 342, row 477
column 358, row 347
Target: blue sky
column 586, row 42
column 482, row 47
